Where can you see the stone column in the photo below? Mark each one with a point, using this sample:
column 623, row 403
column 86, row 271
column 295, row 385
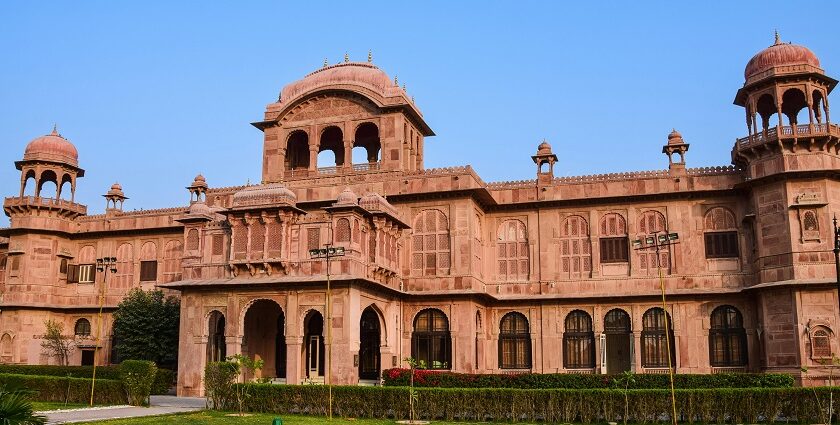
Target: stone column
column 313, row 158
column 294, row 347
column 348, row 154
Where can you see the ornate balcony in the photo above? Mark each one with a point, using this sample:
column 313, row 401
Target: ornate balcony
column 332, row 171
column 787, row 132
column 63, row 208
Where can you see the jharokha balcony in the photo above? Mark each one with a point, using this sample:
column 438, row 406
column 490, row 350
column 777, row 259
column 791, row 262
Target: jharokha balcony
column 335, row 170
column 788, row 132
column 61, row 207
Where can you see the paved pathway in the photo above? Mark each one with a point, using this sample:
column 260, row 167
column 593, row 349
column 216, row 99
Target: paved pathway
column 160, row 405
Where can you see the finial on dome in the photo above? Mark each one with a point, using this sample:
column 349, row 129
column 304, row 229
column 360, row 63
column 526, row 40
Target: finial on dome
column 404, row 87
column 55, row 129
column 370, row 56
column 396, row 81
column 778, row 38
column 325, row 62
column 346, row 57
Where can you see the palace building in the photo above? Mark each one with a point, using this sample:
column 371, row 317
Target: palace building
column 541, row 275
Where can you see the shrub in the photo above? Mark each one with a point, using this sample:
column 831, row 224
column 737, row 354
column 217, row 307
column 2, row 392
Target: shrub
column 164, row 378
column 431, row 378
column 67, row 390
column 138, row 377
column 730, row 405
column 102, row 372
column 218, row 383
column 15, row 408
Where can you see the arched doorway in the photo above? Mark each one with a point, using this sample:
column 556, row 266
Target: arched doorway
column 261, row 337
column 618, row 342
column 216, row 349
column 369, row 337
column 314, row 345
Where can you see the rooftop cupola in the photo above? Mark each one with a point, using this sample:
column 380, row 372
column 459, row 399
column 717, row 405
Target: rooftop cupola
column 675, row 146
column 114, row 198
column 545, row 160
column 785, row 97
column 198, row 189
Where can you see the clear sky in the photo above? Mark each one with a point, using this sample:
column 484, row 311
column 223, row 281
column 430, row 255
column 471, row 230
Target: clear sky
column 154, row 92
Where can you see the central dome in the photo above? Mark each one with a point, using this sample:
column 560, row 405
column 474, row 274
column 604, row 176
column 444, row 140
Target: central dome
column 780, row 54
column 356, row 73
column 52, row 147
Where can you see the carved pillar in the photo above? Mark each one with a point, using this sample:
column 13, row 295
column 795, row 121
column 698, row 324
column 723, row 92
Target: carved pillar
column 294, row 348
column 313, row 158
column 348, row 153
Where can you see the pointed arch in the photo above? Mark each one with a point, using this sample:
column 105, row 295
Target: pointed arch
column 514, row 341
column 578, row 341
column 431, row 341
column 727, row 337
column 297, row 151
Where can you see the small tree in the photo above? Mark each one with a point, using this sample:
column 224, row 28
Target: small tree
column 55, row 344
column 245, row 367
column 625, row 380
column 413, row 395
column 146, row 327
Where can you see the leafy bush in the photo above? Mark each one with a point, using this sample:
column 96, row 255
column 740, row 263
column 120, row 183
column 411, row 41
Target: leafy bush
column 67, row 390
column 164, row 379
column 146, row 325
column 431, row 378
column 138, row 377
column 219, row 378
column 16, row 409
column 102, row 372
column 725, row 405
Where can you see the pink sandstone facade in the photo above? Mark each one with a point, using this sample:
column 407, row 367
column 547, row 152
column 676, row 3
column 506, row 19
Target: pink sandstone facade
column 538, row 275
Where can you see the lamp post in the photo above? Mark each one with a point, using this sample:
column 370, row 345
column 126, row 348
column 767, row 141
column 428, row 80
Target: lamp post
column 104, row 264
column 656, row 242
column 837, row 254
column 327, row 252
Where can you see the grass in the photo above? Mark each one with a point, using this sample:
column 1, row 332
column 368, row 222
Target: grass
column 222, row 418
column 56, row 405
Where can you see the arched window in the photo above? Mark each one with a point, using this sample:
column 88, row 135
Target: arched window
column 82, row 327
column 430, row 244
column 821, row 343
column 342, row 230
column 727, row 338
column 649, row 223
column 575, row 252
column 513, row 251
column 614, row 241
column 331, row 140
column 431, row 341
column 367, row 137
column 216, row 348
column 297, row 151
column 578, row 341
column 173, row 251
column 655, row 340
column 721, row 233
column 514, row 342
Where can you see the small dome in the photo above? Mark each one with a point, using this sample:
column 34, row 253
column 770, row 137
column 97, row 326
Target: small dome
column 116, row 190
column 375, row 202
column 268, row 194
column 544, row 148
column 674, row 137
column 347, row 197
column 199, row 181
column 780, row 54
column 52, row 147
column 200, row 208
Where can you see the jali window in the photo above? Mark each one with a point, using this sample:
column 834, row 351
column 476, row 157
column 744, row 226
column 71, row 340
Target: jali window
column 575, row 251
column 430, row 244
column 721, row 233
column 513, row 251
column 649, row 223
column 613, row 242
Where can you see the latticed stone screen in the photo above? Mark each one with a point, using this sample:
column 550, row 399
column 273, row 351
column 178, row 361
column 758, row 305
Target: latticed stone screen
column 240, row 242
column 313, row 238
column 218, row 245
column 430, row 244
column 513, row 258
column 192, row 239
column 342, row 230
column 274, row 238
column 651, row 222
column 575, row 250
column 257, row 239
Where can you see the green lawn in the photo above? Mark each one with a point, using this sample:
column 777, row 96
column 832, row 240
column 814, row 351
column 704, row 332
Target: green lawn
column 55, row 405
column 222, row 418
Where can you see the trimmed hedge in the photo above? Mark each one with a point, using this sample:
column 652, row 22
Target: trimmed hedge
column 728, row 405
column 138, row 377
column 438, row 379
column 103, row 372
column 68, row 390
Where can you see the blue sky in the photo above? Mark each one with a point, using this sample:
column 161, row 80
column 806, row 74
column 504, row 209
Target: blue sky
column 154, row 92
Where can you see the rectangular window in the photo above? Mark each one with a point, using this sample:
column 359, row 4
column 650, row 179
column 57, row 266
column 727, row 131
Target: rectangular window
column 721, row 244
column 86, row 273
column 148, row 271
column 62, row 266
column 614, row 250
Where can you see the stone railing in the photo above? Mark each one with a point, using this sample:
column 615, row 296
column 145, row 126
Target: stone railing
column 512, row 184
column 632, row 175
column 135, row 213
column 42, row 202
column 787, row 132
column 714, row 171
